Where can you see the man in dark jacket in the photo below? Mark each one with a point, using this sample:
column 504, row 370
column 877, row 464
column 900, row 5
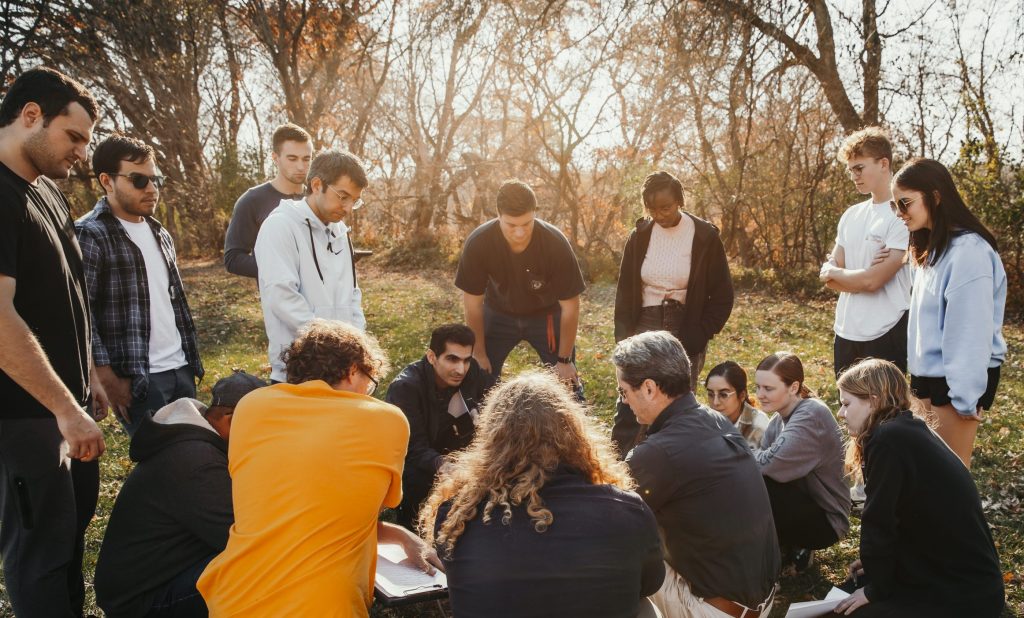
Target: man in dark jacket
column 439, row 394
column 174, row 511
column 697, row 474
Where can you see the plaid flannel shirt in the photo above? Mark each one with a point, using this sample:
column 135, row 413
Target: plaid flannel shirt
column 115, row 275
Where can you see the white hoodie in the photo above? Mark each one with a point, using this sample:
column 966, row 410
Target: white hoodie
column 301, row 279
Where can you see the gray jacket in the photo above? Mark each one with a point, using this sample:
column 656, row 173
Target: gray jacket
column 809, row 445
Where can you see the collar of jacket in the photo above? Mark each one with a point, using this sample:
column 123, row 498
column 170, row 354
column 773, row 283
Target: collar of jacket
column 103, row 209
column 701, row 231
column 682, row 405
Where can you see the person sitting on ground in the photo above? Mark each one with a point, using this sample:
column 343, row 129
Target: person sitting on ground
column 925, row 547
column 727, row 393
column 439, row 395
column 801, row 458
column 536, row 518
column 312, row 463
column 173, row 513
column 698, row 475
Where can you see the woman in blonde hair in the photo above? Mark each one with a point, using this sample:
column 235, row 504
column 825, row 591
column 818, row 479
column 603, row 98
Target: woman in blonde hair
column 536, row 516
column 801, row 459
column 925, row 547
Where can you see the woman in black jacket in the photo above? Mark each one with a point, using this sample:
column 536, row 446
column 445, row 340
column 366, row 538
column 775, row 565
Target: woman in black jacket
column 925, row 547
column 674, row 276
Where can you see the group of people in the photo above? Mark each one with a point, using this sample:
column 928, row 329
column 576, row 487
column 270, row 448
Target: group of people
column 267, row 501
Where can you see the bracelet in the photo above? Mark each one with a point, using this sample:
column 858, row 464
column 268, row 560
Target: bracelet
column 565, row 360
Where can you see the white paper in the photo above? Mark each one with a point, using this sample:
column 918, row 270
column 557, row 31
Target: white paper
column 814, row 609
column 397, row 577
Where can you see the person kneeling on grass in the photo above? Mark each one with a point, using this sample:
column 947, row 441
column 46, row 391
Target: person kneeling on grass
column 536, row 517
column 312, row 464
column 925, row 547
column 173, row 513
column 801, row 459
column 726, row 386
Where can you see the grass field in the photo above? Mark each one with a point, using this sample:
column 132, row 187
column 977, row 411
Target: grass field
column 401, row 309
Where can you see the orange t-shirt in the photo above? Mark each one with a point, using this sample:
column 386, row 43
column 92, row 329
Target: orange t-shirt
column 311, row 468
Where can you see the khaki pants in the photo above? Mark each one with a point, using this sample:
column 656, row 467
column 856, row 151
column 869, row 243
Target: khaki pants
column 676, row 600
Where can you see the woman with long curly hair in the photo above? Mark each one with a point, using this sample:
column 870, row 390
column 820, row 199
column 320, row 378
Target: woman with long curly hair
column 925, row 547
column 537, row 516
column 954, row 336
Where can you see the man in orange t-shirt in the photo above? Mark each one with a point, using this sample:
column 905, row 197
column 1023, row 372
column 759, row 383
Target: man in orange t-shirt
column 312, row 463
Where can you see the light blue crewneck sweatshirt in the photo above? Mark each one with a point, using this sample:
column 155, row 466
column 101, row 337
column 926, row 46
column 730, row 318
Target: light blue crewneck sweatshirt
column 956, row 319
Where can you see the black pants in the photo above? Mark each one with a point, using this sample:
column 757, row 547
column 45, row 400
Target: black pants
column 892, row 346
column 626, row 431
column 799, row 521
column 46, row 503
column 416, row 485
column 164, row 387
column 179, row 598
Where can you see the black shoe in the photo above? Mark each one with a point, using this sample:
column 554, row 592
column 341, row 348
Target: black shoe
column 802, row 559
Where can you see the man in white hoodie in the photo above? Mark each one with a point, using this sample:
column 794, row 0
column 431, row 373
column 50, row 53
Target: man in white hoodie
column 304, row 256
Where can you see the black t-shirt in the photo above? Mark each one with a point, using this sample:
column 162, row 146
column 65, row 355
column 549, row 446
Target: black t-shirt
column 526, row 283
column 39, row 249
column 599, row 557
column 251, row 210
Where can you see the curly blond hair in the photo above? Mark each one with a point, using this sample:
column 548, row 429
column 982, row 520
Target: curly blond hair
column 529, row 426
column 868, row 142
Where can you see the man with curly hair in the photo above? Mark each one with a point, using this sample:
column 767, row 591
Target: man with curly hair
column 313, row 461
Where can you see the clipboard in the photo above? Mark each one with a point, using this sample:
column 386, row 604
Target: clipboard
column 397, row 582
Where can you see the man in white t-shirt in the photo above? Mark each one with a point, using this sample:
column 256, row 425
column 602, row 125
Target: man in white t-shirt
column 143, row 338
column 866, row 266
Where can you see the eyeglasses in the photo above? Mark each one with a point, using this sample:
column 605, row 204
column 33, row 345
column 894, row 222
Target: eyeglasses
column 373, row 383
column 140, row 181
column 664, row 210
column 346, row 199
column 712, row 395
column 856, row 170
column 902, row 205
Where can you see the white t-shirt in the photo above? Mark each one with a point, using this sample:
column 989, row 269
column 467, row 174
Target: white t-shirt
column 665, row 271
column 864, row 229
column 165, row 351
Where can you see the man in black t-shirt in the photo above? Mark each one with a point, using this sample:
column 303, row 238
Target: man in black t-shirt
column 46, row 499
column 292, row 154
column 520, row 280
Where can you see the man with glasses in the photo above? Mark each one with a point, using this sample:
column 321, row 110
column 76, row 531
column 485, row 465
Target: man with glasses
column 866, row 266
column 312, row 464
column 305, row 258
column 698, row 475
column 143, row 338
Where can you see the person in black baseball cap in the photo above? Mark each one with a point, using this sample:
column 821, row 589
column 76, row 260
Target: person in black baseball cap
column 174, row 510
column 227, row 392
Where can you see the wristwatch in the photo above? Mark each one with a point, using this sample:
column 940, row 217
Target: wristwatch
column 566, row 360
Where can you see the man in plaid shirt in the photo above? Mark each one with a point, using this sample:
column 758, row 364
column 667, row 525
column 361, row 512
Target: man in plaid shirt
column 143, row 337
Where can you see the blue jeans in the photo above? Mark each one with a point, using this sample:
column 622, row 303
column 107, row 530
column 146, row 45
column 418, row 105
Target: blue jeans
column 503, row 332
column 164, row 387
column 180, row 598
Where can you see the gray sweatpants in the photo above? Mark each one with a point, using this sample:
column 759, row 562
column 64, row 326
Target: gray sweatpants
column 46, row 503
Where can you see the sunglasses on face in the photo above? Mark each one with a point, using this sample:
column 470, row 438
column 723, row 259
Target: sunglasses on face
column 902, row 205
column 140, row 181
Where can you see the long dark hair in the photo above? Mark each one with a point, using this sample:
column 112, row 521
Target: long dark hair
column 947, row 210
column 734, row 376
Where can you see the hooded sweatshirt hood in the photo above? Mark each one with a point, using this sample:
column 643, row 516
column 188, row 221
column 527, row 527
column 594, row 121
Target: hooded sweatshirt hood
column 178, row 421
column 306, row 271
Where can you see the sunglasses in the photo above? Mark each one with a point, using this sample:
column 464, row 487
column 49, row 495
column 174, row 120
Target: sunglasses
column 140, row 181
column 902, row 205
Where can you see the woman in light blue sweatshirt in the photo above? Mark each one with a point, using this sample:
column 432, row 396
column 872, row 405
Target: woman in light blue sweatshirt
column 955, row 344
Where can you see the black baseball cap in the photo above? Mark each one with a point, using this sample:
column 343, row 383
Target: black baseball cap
column 230, row 390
